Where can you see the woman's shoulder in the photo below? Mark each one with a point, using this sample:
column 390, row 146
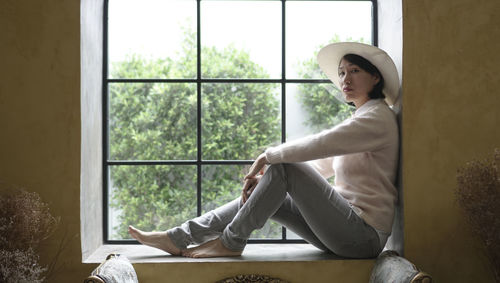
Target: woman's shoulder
column 380, row 118
column 377, row 109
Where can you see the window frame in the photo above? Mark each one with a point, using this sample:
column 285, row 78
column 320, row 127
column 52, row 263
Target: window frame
column 199, row 81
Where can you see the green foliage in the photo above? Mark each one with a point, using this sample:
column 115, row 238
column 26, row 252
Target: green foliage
column 157, row 121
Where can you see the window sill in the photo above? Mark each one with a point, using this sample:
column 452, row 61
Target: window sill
column 252, row 253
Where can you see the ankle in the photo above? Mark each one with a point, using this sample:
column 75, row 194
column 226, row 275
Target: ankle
column 228, row 247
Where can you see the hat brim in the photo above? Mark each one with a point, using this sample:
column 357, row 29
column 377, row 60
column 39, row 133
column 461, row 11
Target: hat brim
column 329, row 59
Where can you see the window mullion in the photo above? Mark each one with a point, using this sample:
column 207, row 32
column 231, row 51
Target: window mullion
column 374, row 23
column 283, row 85
column 198, row 119
column 105, row 132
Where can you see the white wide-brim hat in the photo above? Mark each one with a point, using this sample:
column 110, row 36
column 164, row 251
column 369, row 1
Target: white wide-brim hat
column 329, row 59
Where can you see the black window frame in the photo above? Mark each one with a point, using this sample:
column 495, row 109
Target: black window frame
column 199, row 162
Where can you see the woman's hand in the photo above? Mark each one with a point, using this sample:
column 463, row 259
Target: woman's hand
column 252, row 179
column 257, row 166
column 248, row 187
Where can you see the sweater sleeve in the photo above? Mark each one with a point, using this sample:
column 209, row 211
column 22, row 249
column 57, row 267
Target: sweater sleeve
column 358, row 134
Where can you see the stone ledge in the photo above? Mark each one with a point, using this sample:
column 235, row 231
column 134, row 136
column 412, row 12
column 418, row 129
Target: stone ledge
column 252, row 253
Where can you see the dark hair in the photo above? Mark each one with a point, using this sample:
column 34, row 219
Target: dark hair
column 371, row 69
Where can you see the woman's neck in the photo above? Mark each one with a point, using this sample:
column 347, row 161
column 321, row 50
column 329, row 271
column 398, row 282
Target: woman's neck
column 360, row 102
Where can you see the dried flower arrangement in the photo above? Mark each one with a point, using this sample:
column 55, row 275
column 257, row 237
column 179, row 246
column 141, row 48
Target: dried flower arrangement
column 25, row 220
column 478, row 194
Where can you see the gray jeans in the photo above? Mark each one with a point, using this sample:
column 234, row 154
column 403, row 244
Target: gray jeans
column 296, row 196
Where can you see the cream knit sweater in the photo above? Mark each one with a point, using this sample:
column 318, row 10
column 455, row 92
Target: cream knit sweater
column 362, row 153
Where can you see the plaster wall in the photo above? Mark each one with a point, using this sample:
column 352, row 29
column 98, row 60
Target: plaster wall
column 450, row 66
column 40, row 116
column 91, row 196
column 390, row 39
column 450, row 116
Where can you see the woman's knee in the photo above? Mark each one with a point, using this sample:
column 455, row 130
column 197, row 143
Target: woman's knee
column 276, row 170
column 285, row 171
column 298, row 169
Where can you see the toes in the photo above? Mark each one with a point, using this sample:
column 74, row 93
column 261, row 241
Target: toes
column 133, row 232
column 192, row 252
column 195, row 254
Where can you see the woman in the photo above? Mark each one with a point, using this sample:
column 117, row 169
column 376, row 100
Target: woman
column 354, row 217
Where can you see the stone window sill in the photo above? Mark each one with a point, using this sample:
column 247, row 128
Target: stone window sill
column 252, row 253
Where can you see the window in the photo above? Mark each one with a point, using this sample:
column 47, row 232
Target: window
column 193, row 90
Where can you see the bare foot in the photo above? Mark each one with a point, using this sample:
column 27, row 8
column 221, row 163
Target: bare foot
column 159, row 240
column 213, row 248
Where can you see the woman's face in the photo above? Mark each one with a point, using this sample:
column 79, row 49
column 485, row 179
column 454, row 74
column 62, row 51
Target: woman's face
column 355, row 83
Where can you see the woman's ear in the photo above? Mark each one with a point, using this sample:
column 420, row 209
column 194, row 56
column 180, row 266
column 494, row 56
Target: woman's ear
column 376, row 78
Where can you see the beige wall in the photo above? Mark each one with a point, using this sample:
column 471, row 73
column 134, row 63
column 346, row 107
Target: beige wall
column 40, row 113
column 450, row 115
column 451, row 88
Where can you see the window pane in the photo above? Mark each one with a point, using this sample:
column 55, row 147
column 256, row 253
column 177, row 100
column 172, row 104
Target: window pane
column 152, row 39
column 290, row 235
column 222, row 184
column 313, row 107
column 152, row 198
column 239, row 120
column 152, row 121
column 313, row 24
column 241, row 39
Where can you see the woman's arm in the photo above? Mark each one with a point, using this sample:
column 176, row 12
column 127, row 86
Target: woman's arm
column 366, row 133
